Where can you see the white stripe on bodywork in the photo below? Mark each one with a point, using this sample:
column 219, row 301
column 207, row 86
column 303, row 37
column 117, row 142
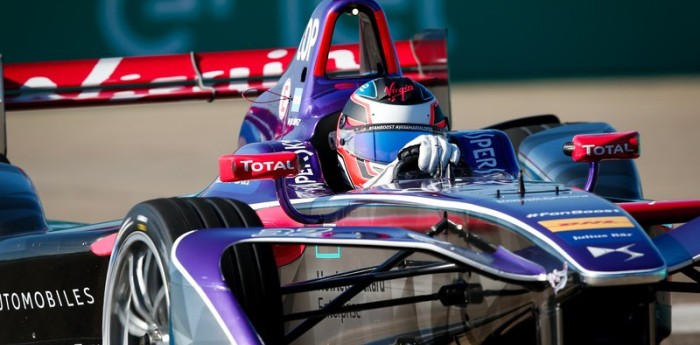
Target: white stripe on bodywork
column 202, row 295
column 100, row 73
column 459, row 205
column 420, row 243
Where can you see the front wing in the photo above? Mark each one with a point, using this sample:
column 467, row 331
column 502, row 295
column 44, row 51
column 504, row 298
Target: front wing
column 211, row 313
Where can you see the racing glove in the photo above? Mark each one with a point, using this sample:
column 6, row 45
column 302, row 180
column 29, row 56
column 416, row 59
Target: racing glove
column 434, row 153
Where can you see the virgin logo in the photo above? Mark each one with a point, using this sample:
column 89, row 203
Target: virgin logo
column 393, row 92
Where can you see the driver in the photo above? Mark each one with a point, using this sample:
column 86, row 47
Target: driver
column 388, row 118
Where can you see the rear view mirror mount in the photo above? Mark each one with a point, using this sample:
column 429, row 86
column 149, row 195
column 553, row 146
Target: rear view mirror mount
column 276, row 166
column 594, row 148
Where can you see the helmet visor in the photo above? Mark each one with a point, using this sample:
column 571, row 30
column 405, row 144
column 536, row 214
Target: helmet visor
column 381, row 143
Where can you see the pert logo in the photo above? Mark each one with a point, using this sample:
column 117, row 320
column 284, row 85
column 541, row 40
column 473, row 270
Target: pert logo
column 588, row 223
column 483, row 153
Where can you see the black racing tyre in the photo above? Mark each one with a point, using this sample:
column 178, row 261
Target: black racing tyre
column 251, row 273
column 137, row 302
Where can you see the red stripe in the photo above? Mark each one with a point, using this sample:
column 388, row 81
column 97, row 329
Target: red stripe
column 322, row 57
column 387, row 43
column 663, row 212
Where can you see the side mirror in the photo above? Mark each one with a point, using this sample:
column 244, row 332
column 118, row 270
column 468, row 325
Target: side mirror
column 593, row 148
column 275, row 166
column 598, row 147
column 258, row 166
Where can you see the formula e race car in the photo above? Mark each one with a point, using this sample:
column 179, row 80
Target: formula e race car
column 530, row 239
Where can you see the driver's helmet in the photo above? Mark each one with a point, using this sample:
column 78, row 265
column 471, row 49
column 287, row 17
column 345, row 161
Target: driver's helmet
column 380, row 118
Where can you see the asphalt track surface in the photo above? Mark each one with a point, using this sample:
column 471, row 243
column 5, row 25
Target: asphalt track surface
column 93, row 164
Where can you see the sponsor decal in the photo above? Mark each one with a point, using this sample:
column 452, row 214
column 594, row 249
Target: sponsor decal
column 353, row 314
column 258, row 166
column 604, row 150
column 292, row 231
column 308, row 41
column 600, row 251
column 28, row 300
column 603, row 236
column 394, row 127
column 394, row 93
column 586, row 223
column 142, row 223
column 284, row 98
column 596, row 147
column 542, row 198
column 305, row 177
column 484, row 155
column 97, row 77
column 608, row 211
column 374, row 287
column 344, row 59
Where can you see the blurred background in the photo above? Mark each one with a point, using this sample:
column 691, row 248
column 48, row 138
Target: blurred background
column 632, row 63
column 505, row 40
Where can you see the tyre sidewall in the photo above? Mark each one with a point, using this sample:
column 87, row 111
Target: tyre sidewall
column 144, row 223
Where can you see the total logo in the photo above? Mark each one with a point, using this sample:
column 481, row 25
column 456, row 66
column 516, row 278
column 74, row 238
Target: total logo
column 595, row 150
column 258, row 166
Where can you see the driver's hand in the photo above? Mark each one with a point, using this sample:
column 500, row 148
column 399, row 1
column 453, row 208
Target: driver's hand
column 434, row 152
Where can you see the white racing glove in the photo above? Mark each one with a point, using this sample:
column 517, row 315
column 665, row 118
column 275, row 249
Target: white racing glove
column 434, row 153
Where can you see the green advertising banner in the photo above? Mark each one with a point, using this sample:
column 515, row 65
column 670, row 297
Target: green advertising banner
column 488, row 39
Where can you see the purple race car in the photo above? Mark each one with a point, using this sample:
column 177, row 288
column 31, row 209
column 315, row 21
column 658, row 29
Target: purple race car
column 524, row 241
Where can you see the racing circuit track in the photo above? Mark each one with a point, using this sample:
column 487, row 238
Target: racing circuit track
column 93, row 164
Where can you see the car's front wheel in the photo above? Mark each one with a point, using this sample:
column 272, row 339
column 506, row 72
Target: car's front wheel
column 137, row 305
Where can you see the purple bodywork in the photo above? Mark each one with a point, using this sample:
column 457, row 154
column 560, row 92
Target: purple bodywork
column 571, row 231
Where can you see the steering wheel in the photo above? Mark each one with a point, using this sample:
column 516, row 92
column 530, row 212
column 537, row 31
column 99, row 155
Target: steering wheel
column 407, row 166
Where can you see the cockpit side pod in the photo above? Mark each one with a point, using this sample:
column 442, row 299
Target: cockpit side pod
column 486, row 152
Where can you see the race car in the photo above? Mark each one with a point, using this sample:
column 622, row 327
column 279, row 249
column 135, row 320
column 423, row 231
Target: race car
column 541, row 235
